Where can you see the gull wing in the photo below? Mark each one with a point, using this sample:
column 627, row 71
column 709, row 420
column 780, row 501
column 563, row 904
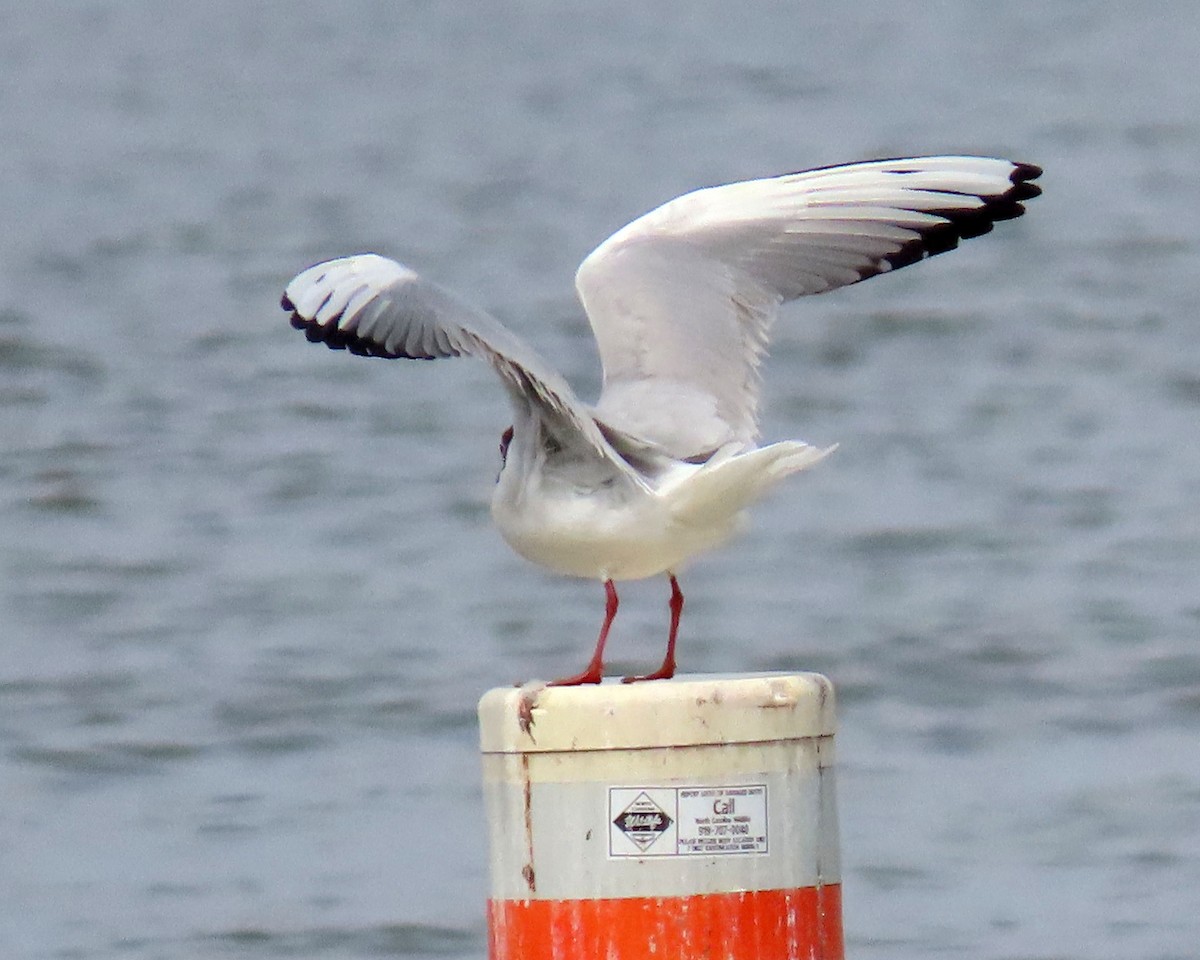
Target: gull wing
column 375, row 307
column 682, row 299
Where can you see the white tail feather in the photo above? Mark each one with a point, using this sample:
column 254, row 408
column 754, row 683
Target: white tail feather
column 724, row 487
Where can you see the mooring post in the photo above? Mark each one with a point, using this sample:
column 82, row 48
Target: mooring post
column 683, row 819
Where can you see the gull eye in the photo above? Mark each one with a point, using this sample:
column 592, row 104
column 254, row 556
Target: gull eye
column 505, row 440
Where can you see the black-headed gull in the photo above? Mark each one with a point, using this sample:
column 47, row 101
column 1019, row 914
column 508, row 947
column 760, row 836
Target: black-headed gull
column 681, row 302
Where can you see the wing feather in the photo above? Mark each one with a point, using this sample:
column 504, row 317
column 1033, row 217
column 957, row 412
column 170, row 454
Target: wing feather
column 375, row 307
column 682, row 299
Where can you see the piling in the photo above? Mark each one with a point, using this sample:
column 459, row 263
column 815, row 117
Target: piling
column 683, row 819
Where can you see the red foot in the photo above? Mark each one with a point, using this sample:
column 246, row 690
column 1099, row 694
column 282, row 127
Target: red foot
column 667, row 670
column 594, row 671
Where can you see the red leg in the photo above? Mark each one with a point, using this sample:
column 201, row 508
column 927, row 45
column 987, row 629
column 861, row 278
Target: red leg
column 594, row 671
column 667, row 670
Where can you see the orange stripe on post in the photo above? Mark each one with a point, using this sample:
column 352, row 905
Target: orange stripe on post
column 747, row 925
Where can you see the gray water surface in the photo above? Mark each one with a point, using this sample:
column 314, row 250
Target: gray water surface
column 249, row 592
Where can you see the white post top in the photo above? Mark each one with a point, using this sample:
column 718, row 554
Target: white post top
column 687, row 711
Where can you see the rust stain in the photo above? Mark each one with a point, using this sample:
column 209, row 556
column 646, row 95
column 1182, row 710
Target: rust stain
column 527, row 871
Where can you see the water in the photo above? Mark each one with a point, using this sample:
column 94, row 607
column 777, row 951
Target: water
column 249, row 590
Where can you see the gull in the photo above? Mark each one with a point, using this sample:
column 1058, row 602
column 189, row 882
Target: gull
column 681, row 302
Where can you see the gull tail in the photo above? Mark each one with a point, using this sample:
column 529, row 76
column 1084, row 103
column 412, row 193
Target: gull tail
column 726, row 486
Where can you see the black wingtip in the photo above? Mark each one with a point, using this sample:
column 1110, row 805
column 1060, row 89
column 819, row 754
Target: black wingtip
column 1025, row 171
column 1007, row 207
column 974, row 222
column 1023, row 188
column 286, row 302
column 331, row 335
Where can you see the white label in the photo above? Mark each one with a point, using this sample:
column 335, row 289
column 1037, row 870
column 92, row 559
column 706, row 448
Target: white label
column 699, row 821
column 723, row 820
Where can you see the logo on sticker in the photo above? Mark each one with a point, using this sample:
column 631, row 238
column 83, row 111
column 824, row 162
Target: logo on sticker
column 643, row 821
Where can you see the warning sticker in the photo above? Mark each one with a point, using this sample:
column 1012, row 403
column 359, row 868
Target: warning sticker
column 723, row 819
column 687, row 821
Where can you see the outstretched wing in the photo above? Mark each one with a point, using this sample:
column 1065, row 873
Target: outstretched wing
column 682, row 299
column 375, row 307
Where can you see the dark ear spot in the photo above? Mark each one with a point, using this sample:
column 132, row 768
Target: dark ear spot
column 505, row 440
